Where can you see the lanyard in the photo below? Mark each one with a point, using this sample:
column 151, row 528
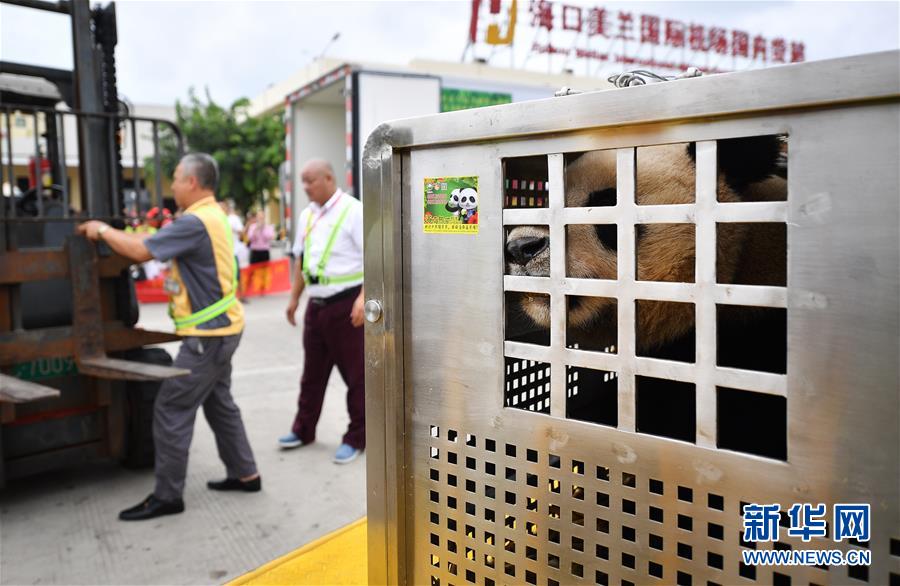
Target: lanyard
column 324, row 211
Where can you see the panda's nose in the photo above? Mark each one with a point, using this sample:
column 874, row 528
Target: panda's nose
column 522, row 250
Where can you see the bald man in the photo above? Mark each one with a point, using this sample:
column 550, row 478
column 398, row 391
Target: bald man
column 329, row 251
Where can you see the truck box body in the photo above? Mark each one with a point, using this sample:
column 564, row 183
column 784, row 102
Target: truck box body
column 331, row 116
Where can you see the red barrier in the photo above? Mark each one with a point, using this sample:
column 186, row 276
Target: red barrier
column 260, row 278
column 151, row 291
column 263, row 278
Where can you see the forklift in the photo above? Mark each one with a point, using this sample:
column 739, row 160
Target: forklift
column 77, row 378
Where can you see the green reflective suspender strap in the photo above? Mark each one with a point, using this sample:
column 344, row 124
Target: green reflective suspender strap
column 321, row 279
column 222, row 305
column 306, row 248
column 336, row 280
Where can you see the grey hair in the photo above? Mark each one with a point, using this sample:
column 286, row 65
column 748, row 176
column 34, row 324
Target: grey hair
column 203, row 167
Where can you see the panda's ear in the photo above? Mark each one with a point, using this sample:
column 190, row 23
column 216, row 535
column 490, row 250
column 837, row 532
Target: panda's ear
column 746, row 160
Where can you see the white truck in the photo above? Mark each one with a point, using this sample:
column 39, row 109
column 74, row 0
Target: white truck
column 331, row 116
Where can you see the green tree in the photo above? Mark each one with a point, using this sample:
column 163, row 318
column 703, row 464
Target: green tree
column 249, row 150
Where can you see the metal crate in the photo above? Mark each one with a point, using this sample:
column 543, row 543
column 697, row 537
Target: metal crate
column 476, row 474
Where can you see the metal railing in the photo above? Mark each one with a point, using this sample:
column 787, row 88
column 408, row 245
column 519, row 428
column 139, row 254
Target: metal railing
column 39, row 253
column 53, row 137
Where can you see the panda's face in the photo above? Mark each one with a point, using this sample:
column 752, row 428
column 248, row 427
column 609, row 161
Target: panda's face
column 467, row 198
column 665, row 252
column 453, row 202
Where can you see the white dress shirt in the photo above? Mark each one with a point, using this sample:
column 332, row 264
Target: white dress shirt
column 346, row 253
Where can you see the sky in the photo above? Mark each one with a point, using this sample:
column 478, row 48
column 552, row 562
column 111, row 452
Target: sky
column 238, row 49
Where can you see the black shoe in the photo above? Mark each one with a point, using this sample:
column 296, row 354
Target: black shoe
column 152, row 507
column 254, row 485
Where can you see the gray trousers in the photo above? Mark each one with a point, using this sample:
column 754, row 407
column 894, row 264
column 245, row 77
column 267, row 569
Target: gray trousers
column 209, row 385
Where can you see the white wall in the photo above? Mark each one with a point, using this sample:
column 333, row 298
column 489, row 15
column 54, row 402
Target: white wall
column 318, row 131
column 384, row 97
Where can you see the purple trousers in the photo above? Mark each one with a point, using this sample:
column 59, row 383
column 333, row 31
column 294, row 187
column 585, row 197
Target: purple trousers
column 329, row 339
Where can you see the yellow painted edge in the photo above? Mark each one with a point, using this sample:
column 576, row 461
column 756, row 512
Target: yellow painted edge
column 246, row 578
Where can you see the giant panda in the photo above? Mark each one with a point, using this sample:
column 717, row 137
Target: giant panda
column 749, row 169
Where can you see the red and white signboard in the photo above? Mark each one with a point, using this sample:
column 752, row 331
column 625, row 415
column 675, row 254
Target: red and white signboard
column 589, row 39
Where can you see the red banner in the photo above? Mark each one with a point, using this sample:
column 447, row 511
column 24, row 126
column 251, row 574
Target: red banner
column 257, row 279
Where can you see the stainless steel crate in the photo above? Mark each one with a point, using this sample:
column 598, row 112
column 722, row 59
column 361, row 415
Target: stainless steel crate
column 477, row 475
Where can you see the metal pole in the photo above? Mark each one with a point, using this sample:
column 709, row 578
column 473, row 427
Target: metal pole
column 179, row 140
column 157, row 167
column 12, row 173
column 282, row 180
column 12, row 242
column 60, row 7
column 134, row 158
column 111, row 125
column 95, row 169
column 4, row 171
column 38, row 176
column 63, row 169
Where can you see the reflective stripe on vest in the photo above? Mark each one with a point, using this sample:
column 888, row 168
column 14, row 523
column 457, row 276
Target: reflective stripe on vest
column 213, row 311
column 320, row 278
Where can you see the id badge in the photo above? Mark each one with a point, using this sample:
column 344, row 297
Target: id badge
column 171, row 286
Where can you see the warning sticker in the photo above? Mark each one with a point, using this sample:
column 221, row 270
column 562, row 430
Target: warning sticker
column 451, row 205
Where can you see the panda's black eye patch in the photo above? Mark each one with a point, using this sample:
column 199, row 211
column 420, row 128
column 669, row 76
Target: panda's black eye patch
column 606, row 233
column 602, row 198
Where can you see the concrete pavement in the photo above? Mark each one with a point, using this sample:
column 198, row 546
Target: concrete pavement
column 62, row 527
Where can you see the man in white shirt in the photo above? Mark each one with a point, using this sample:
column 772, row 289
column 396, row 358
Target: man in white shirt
column 329, row 251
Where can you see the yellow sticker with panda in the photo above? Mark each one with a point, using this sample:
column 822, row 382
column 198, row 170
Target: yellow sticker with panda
column 451, row 205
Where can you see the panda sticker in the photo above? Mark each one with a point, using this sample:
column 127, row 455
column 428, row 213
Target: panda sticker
column 451, row 205
column 464, row 203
